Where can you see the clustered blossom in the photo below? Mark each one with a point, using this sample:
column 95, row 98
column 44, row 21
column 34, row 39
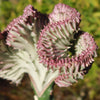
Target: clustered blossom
column 56, row 39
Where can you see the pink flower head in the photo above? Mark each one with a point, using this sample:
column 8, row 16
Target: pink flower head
column 18, row 50
column 62, row 46
column 74, row 68
column 55, row 41
column 30, row 23
column 67, row 51
column 58, row 43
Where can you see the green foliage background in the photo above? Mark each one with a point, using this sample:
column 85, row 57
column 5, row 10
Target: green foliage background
column 89, row 88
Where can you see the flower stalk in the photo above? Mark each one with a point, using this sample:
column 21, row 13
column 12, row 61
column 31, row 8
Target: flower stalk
column 47, row 95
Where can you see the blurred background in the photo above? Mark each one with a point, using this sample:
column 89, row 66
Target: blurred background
column 87, row 89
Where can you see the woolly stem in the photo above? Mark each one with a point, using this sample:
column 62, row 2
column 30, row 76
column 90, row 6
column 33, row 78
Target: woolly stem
column 47, row 95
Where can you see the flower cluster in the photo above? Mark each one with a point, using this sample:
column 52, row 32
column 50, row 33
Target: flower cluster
column 47, row 47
